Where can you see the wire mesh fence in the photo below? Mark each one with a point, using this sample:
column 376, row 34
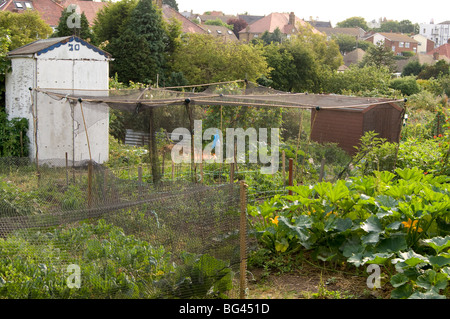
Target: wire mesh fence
column 86, row 233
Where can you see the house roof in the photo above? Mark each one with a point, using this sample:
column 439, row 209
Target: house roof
column 356, row 32
column 273, row 21
column 187, row 25
column 397, row 37
column 220, row 31
column 90, row 8
column 443, row 50
column 249, row 18
column 50, row 10
column 354, row 57
column 42, row 46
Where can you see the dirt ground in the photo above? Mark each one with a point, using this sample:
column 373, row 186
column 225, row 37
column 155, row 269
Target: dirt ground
column 309, row 282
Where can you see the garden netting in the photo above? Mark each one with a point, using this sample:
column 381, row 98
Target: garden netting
column 84, row 231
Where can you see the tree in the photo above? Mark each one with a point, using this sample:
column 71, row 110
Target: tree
column 24, row 28
column 238, row 25
column 412, row 68
column 111, row 21
column 219, row 23
column 73, row 23
column 353, row 22
column 172, row 3
column 358, row 80
column 275, row 37
column 139, row 51
column 440, row 68
column 380, row 56
column 206, row 59
column 298, row 65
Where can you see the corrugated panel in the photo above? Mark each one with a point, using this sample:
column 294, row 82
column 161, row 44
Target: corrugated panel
column 136, row 138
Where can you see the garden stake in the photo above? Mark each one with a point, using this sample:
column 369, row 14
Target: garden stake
column 243, row 241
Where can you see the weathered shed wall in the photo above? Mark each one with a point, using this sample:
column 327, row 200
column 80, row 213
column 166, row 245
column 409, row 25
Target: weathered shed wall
column 70, row 64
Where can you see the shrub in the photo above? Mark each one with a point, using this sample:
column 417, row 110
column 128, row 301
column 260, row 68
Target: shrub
column 407, row 85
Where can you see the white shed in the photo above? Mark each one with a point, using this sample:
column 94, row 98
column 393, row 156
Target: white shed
column 56, row 125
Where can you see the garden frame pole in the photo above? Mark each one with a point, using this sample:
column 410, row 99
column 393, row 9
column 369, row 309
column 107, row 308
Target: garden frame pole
column 291, row 177
column 283, row 161
column 153, row 148
column 243, row 241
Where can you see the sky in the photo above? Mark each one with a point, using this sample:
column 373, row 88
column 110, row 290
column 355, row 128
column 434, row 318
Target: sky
column 329, row 10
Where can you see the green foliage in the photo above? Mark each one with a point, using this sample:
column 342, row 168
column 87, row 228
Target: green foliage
column 218, row 22
column 412, row 68
column 139, row 50
column 298, row 65
column 112, row 20
column 381, row 218
column 406, row 85
column 73, row 23
column 24, row 27
column 208, row 59
column 360, row 81
column 380, row 56
column 374, row 154
column 353, row 22
column 440, row 68
column 112, row 265
column 197, row 276
column 14, row 141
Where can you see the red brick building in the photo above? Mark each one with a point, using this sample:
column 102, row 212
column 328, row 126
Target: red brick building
column 397, row 42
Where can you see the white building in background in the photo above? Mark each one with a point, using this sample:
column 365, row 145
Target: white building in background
column 56, row 126
column 438, row 33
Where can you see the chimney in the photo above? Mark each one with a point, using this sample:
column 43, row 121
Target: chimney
column 436, row 56
column 292, row 19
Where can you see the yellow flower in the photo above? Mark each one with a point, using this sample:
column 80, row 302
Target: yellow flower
column 412, row 224
column 160, row 273
column 274, row 220
column 331, row 213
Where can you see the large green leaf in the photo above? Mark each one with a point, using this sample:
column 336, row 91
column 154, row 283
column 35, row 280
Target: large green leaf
column 393, row 244
column 432, row 280
column 399, row 280
column 372, row 225
column 439, row 261
column 438, row 243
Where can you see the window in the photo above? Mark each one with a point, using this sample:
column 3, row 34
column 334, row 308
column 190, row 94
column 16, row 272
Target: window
column 393, row 48
column 401, row 45
column 424, row 30
column 415, row 50
column 19, row 5
column 28, row 5
column 407, row 45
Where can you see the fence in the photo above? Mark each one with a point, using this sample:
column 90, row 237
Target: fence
column 83, row 232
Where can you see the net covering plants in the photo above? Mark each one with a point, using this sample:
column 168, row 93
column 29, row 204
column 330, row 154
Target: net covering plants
column 83, row 232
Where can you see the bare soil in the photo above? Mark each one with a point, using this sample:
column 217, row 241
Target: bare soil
column 310, row 282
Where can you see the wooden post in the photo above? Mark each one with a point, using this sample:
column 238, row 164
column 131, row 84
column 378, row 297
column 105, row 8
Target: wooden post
column 173, row 171
column 153, row 149
column 243, row 241
column 90, row 184
column 231, row 173
column 67, row 170
column 291, row 173
column 283, row 162
column 201, row 171
column 140, row 181
column 322, row 169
